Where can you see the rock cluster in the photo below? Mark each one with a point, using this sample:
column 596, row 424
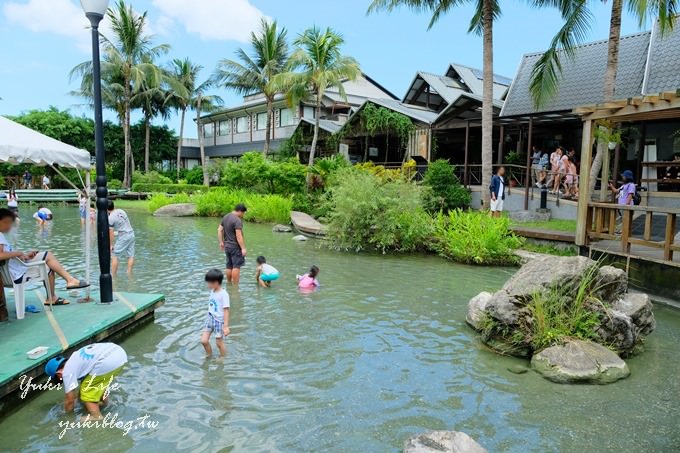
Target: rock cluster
column 442, row 441
column 624, row 318
column 176, row 210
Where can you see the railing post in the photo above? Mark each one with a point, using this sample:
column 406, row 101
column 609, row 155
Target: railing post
column 466, row 179
column 584, row 196
column 669, row 237
column 625, row 230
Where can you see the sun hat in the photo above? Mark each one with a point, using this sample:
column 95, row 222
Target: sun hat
column 628, row 174
column 53, row 366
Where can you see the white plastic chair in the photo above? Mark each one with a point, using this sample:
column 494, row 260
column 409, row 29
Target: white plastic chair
column 19, row 288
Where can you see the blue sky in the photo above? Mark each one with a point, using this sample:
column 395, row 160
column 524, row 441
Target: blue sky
column 41, row 40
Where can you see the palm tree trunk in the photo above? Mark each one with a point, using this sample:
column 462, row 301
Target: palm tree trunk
column 201, row 144
column 147, row 142
column 268, row 135
column 487, row 103
column 609, row 85
column 128, row 147
column 179, row 142
column 315, row 138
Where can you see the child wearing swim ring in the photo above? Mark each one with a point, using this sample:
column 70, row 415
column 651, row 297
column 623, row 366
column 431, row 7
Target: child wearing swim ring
column 308, row 280
column 265, row 273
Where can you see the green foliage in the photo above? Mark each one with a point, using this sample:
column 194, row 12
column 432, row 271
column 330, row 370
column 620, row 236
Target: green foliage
column 513, row 158
column 550, row 249
column 152, row 177
column 475, row 238
column 405, row 173
column 168, row 188
column 328, row 166
column 369, row 213
column 379, row 120
column 445, row 190
column 158, row 200
column 256, row 173
column 114, row 184
column 261, row 208
column 60, row 125
column 194, row 176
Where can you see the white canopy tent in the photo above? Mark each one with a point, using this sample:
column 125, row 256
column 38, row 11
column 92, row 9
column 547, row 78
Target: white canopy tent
column 22, row 145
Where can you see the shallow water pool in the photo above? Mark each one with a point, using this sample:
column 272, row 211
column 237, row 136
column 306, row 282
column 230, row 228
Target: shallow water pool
column 379, row 353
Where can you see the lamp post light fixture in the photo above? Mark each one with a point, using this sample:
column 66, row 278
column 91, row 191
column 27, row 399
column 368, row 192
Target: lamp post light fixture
column 94, row 11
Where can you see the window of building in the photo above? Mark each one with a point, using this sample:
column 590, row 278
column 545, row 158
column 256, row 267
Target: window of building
column 242, row 124
column 262, row 121
column 225, row 127
column 209, row 130
column 286, row 118
column 308, row 112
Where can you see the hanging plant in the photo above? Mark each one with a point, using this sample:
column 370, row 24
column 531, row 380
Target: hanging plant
column 605, row 132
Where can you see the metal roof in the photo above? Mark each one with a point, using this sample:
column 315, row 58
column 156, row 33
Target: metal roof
column 326, row 125
column 474, row 79
column 663, row 65
column 582, row 78
column 230, row 150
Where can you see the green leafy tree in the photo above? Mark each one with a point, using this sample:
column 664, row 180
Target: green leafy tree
column 185, row 75
column 322, row 66
column 60, row 125
column 578, row 20
column 257, row 73
column 445, row 190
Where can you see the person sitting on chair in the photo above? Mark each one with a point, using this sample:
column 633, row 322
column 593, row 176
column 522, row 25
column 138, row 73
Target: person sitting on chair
column 22, row 273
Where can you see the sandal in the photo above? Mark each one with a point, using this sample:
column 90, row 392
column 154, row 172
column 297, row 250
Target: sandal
column 59, row 301
column 81, row 284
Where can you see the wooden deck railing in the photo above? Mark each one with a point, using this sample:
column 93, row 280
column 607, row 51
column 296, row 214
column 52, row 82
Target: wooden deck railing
column 614, row 222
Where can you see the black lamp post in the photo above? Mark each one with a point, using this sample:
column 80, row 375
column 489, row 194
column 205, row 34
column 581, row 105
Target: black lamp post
column 94, row 11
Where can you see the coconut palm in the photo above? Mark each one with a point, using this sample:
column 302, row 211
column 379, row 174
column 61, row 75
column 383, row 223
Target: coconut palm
column 322, row 66
column 578, row 20
column 256, row 73
column 204, row 103
column 153, row 102
column 184, row 74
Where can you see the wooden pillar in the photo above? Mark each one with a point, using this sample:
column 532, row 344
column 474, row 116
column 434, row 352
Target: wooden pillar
column 583, row 195
column 466, row 178
column 527, row 183
column 499, row 159
column 604, row 184
column 617, row 161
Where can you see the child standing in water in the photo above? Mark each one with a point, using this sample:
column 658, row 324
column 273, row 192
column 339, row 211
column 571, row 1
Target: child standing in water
column 265, row 273
column 308, row 280
column 218, row 313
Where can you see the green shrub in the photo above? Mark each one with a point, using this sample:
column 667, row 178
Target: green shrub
column 261, row 208
column 256, row 173
column 194, row 176
column 152, row 177
column 158, row 200
column 369, row 213
column 168, row 188
column 114, row 184
column 445, row 192
column 475, row 238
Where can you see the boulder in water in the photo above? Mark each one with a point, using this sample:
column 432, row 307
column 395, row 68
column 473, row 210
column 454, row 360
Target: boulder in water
column 442, row 441
column 547, row 272
column 278, row 228
column 176, row 210
column 477, row 309
column 578, row 361
column 300, row 238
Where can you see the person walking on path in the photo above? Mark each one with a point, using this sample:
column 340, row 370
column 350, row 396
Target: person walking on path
column 497, row 192
column 230, row 236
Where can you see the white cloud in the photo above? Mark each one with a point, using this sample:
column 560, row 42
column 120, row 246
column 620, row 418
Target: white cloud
column 213, row 19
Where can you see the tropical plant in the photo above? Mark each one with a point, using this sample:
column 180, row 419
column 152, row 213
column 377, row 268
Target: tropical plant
column 486, row 12
column 578, row 19
column 153, row 103
column 322, row 67
column 257, row 73
column 377, row 119
column 126, row 68
column 185, row 74
column 204, row 103
column 445, row 192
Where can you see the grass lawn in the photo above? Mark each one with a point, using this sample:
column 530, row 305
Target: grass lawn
column 142, row 205
column 552, row 224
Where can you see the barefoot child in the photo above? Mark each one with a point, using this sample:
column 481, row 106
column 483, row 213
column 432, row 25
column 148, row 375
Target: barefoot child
column 308, row 280
column 265, row 273
column 218, row 313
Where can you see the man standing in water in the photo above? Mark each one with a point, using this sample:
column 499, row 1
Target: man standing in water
column 230, row 236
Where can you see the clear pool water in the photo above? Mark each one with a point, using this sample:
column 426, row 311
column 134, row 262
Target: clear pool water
column 379, row 353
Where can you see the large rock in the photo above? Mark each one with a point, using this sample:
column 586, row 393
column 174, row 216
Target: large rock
column 278, row 228
column 579, row 361
column 639, row 308
column 176, row 210
column 503, row 308
column 612, row 283
column 542, row 274
column 442, row 441
column 300, row 238
column 477, row 310
column 627, row 322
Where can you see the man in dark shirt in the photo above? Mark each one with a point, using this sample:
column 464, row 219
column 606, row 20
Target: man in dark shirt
column 230, row 236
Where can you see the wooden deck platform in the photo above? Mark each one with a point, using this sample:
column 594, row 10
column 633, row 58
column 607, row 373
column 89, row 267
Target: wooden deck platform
column 62, row 331
column 46, row 196
column 543, row 234
column 306, row 224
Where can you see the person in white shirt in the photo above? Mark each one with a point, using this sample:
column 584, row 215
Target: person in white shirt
column 265, row 273
column 22, row 273
column 46, row 182
column 217, row 320
column 124, row 245
column 43, row 215
column 91, row 368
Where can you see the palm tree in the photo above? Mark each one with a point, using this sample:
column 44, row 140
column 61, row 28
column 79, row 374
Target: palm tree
column 257, row 74
column 153, row 102
column 126, row 63
column 322, row 66
column 486, row 12
column 204, row 103
column 184, row 74
column 578, row 20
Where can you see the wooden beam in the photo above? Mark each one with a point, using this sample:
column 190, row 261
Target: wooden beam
column 625, row 231
column 632, row 109
column 669, row 237
column 584, row 195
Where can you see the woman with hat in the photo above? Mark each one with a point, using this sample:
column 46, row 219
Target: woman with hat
column 626, row 193
column 91, row 368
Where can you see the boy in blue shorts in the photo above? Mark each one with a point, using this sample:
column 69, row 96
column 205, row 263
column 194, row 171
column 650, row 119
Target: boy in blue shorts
column 265, row 273
column 218, row 313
